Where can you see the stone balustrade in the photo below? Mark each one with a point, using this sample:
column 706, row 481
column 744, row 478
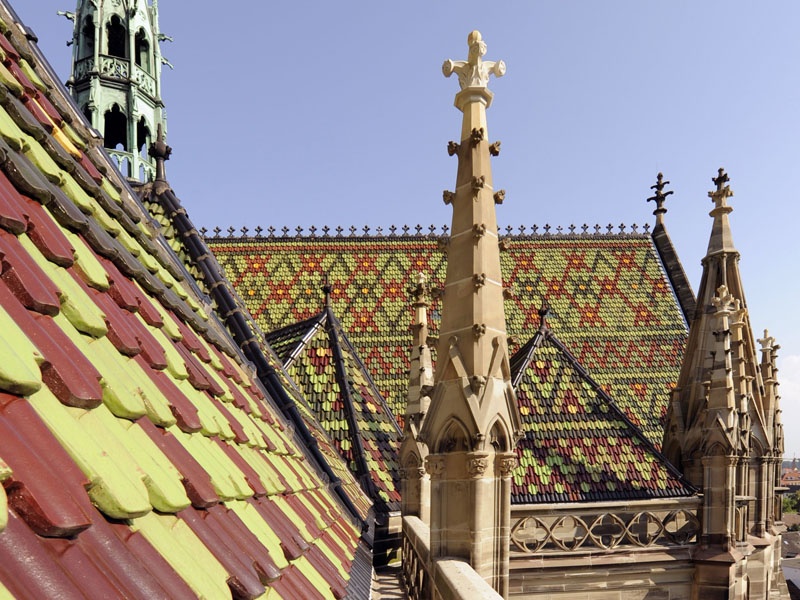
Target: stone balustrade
column 562, row 528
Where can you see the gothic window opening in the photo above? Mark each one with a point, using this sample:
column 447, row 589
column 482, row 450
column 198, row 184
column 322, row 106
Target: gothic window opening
column 87, row 112
column 142, row 49
column 115, row 134
column 142, row 138
column 117, row 38
column 87, row 38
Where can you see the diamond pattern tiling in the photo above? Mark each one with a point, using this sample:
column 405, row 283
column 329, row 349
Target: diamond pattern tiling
column 579, row 445
column 319, row 357
column 140, row 456
column 609, row 297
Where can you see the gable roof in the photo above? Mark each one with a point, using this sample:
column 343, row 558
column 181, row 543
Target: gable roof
column 578, row 444
column 610, row 297
column 319, row 357
column 141, row 457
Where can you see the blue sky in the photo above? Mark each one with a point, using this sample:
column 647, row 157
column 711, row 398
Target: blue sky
column 337, row 113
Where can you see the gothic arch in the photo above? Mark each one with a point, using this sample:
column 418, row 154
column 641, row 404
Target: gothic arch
column 142, row 51
column 88, row 34
column 115, row 128
column 144, row 136
column 454, row 438
column 116, row 37
column 499, row 437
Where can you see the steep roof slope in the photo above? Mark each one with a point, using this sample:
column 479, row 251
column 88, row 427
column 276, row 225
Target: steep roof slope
column 611, row 301
column 319, row 357
column 140, row 455
column 579, row 445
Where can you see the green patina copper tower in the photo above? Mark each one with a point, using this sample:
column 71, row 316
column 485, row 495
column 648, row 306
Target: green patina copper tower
column 116, row 78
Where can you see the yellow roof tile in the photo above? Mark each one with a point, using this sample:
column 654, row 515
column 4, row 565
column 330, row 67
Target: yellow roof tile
column 111, row 488
column 89, row 268
column 256, row 524
column 183, row 550
column 19, row 359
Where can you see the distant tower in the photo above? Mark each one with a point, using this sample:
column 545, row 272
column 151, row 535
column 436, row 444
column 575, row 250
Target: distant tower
column 116, row 78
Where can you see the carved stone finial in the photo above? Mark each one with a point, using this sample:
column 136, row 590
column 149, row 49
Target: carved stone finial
column 767, row 342
column 724, row 300
column 326, row 290
column 723, row 191
column 419, row 290
column 543, row 312
column 474, row 72
column 721, row 179
column 160, row 152
column 660, row 195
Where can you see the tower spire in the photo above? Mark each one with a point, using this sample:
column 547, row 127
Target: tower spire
column 723, row 425
column 473, row 423
column 116, row 78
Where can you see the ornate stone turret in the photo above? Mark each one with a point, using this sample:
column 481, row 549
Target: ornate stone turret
column 721, row 426
column 116, row 78
column 473, row 423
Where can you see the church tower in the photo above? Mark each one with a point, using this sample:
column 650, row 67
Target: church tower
column 724, row 428
column 473, row 422
column 116, row 78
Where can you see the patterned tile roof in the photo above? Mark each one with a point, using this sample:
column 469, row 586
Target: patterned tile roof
column 140, row 456
column 579, row 445
column 609, row 296
column 319, row 357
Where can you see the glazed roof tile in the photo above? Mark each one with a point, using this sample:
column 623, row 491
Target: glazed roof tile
column 579, row 445
column 610, row 300
column 141, row 457
column 319, row 357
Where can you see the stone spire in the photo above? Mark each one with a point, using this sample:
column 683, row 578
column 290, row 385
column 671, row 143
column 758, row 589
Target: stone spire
column 473, row 423
column 116, row 78
column 415, row 481
column 721, row 426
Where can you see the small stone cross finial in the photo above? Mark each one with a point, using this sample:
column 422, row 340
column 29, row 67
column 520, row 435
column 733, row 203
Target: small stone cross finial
column 721, row 179
column 474, row 72
column 660, row 194
column 723, row 191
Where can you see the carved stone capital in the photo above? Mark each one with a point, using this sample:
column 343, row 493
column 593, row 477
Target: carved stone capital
column 506, row 465
column 477, row 465
column 435, row 466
